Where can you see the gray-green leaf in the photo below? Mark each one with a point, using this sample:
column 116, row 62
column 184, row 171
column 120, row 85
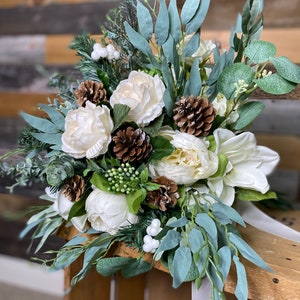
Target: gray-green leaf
column 144, row 21
column 260, row 51
column 162, row 25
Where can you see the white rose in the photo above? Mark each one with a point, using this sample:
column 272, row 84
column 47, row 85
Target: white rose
column 87, row 131
column 108, row 212
column 189, row 162
column 248, row 164
column 203, row 52
column 143, row 94
column 62, row 205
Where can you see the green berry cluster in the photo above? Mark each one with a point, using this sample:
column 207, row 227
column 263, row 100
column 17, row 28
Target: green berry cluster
column 123, row 179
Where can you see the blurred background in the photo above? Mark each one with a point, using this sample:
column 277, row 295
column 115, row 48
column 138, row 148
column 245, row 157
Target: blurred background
column 34, row 40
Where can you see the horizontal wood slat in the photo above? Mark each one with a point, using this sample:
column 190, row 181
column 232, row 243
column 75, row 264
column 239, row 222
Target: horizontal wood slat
column 65, row 18
column 13, row 3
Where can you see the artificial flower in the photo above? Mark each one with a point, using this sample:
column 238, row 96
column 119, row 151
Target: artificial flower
column 108, row 212
column 189, row 162
column 143, row 94
column 87, row 131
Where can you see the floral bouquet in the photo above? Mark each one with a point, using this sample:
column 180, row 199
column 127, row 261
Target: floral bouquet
column 151, row 148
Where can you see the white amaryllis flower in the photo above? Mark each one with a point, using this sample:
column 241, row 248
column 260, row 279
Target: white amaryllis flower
column 189, row 162
column 108, row 212
column 203, row 52
column 87, row 131
column 143, row 94
column 248, row 164
column 62, row 205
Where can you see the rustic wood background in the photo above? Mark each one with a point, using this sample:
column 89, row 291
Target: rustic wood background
column 34, row 39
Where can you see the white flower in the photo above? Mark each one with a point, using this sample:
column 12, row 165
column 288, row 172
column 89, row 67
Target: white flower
column 189, row 162
column 108, row 212
column 62, row 205
column 87, row 131
column 143, row 94
column 248, row 164
column 203, row 52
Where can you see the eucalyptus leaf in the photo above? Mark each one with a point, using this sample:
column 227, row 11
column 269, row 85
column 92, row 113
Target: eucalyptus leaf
column 195, row 23
column 120, row 113
column 170, row 241
column 275, row 84
column 175, row 23
column 66, row 258
column 189, row 10
column 76, row 240
column 56, row 117
column 42, row 124
column 137, row 40
column 161, row 28
column 169, row 103
column 108, row 266
column 194, row 83
column 139, row 266
column 205, row 221
column 241, row 290
column 144, row 21
column 196, row 240
column 178, row 223
column 248, row 252
column 260, row 51
column 48, row 138
column 192, row 45
column 287, row 69
column 224, row 262
column 182, row 263
column 230, row 212
column 248, row 112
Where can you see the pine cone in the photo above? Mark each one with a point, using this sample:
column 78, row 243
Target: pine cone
column 74, row 188
column 132, row 145
column 194, row 115
column 90, row 91
column 166, row 196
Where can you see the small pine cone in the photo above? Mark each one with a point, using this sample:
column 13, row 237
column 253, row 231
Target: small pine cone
column 194, row 115
column 166, row 196
column 74, row 188
column 90, row 91
column 132, row 145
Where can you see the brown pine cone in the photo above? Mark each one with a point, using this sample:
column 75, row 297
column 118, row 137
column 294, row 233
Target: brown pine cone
column 194, row 115
column 132, row 145
column 90, row 91
column 166, row 196
column 74, row 188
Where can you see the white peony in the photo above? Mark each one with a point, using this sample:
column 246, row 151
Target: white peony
column 62, row 205
column 189, row 162
column 87, row 131
column 108, row 212
column 248, row 164
column 143, row 94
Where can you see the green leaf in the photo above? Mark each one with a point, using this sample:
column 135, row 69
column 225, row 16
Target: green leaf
column 135, row 199
column 224, row 254
column 66, row 258
column 161, row 148
column 144, row 21
column 222, row 165
column 137, row 40
column 56, row 117
column 153, row 128
column 49, row 138
column 222, row 210
column 192, row 46
column 182, row 263
column 120, row 113
column 231, row 75
column 251, row 195
column 196, row 240
column 248, row 252
column 139, row 266
column 170, row 241
column 100, row 182
column 177, row 223
column 195, row 23
column 77, row 209
column 175, row 23
column 144, row 175
column 194, row 83
column 42, row 124
column 169, row 103
column 189, row 10
column 248, row 112
column 287, row 69
column 151, row 186
column 205, row 221
column 162, row 25
column 260, row 51
column 241, row 290
column 275, row 84
column 108, row 266
column 76, row 240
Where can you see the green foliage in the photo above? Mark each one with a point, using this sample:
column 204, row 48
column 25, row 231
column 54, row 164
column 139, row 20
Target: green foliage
column 161, row 148
column 251, row 195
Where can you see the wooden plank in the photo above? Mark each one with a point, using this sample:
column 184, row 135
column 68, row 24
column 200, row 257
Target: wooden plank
column 54, row 18
column 13, row 3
